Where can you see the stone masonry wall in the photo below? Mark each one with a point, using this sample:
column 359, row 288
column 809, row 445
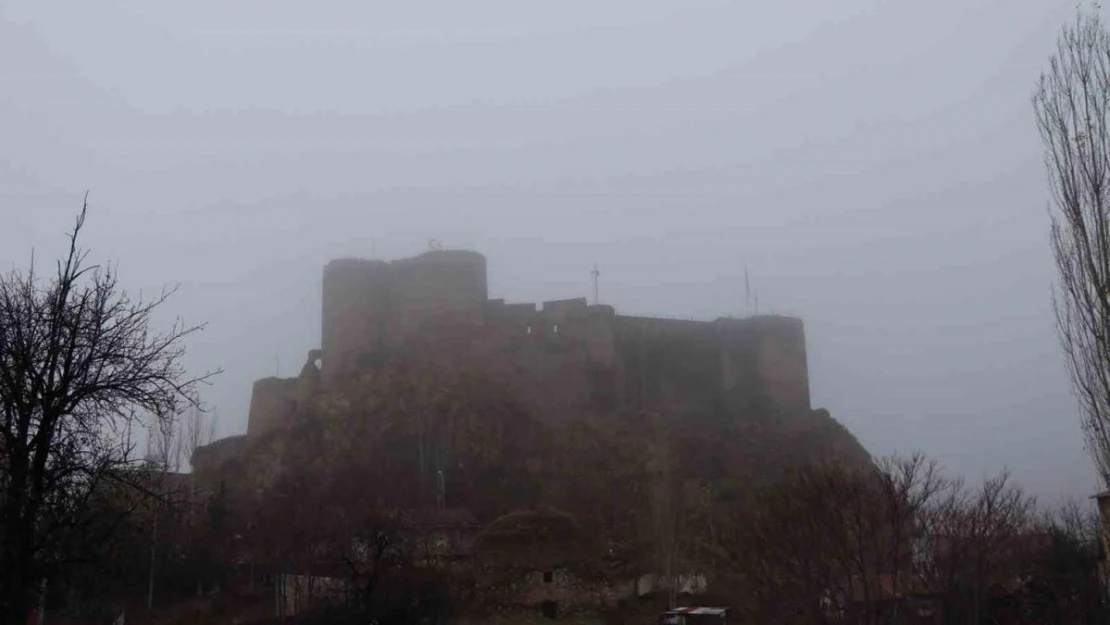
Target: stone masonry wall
column 566, row 358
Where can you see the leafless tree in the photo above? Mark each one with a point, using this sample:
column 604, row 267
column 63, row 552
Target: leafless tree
column 1067, row 583
column 163, row 452
column 171, row 442
column 1072, row 104
column 198, row 428
column 790, row 548
column 668, row 520
column 78, row 361
column 165, row 443
column 978, row 541
column 835, row 542
column 1076, row 519
column 908, row 486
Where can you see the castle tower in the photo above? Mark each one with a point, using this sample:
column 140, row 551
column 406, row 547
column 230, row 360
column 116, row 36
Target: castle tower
column 355, row 312
column 767, row 354
column 372, row 307
column 439, row 286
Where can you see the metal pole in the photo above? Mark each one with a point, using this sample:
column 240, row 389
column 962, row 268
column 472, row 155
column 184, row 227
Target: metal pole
column 596, row 274
column 42, row 602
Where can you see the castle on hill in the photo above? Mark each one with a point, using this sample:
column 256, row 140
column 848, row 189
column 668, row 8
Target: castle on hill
column 564, row 358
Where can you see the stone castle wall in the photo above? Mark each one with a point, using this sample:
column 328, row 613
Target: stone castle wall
column 565, row 357
column 373, row 307
column 273, row 405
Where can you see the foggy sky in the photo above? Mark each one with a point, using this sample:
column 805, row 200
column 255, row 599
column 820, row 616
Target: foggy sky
column 875, row 164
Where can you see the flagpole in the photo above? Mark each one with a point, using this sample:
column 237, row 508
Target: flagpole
column 747, row 293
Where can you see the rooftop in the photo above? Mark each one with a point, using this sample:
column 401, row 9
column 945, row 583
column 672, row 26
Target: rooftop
column 699, row 610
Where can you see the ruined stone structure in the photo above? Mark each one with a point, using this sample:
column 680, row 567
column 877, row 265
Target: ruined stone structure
column 567, row 358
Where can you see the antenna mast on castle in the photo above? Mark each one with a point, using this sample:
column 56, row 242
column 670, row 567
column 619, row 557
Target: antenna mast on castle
column 747, row 293
column 596, row 274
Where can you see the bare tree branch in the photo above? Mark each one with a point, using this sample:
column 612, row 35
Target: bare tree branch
column 79, row 361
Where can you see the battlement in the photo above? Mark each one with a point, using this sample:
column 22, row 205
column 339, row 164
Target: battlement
column 554, row 311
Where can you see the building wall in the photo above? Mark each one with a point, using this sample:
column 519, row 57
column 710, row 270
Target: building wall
column 211, row 457
column 273, row 405
column 666, row 363
column 781, row 366
column 549, row 357
column 439, row 285
column 356, row 307
column 568, row 594
column 371, row 308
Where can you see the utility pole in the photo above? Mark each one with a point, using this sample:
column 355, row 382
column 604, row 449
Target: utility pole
column 596, row 274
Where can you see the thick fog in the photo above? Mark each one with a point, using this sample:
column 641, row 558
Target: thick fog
column 874, row 165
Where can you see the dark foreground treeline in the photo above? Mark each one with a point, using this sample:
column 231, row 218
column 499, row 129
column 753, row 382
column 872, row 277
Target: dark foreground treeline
column 824, row 544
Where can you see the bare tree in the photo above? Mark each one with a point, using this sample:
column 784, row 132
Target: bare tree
column 1072, row 104
column 978, row 542
column 785, row 553
column 830, row 542
column 163, row 452
column 78, row 361
column 908, row 486
column 1067, row 585
column 165, row 443
column 668, row 527
column 198, row 428
column 171, row 442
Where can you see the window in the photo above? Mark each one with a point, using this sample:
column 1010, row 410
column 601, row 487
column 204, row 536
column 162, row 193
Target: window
column 548, row 577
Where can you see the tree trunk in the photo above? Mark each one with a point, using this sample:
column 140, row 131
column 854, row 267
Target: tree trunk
column 150, row 581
